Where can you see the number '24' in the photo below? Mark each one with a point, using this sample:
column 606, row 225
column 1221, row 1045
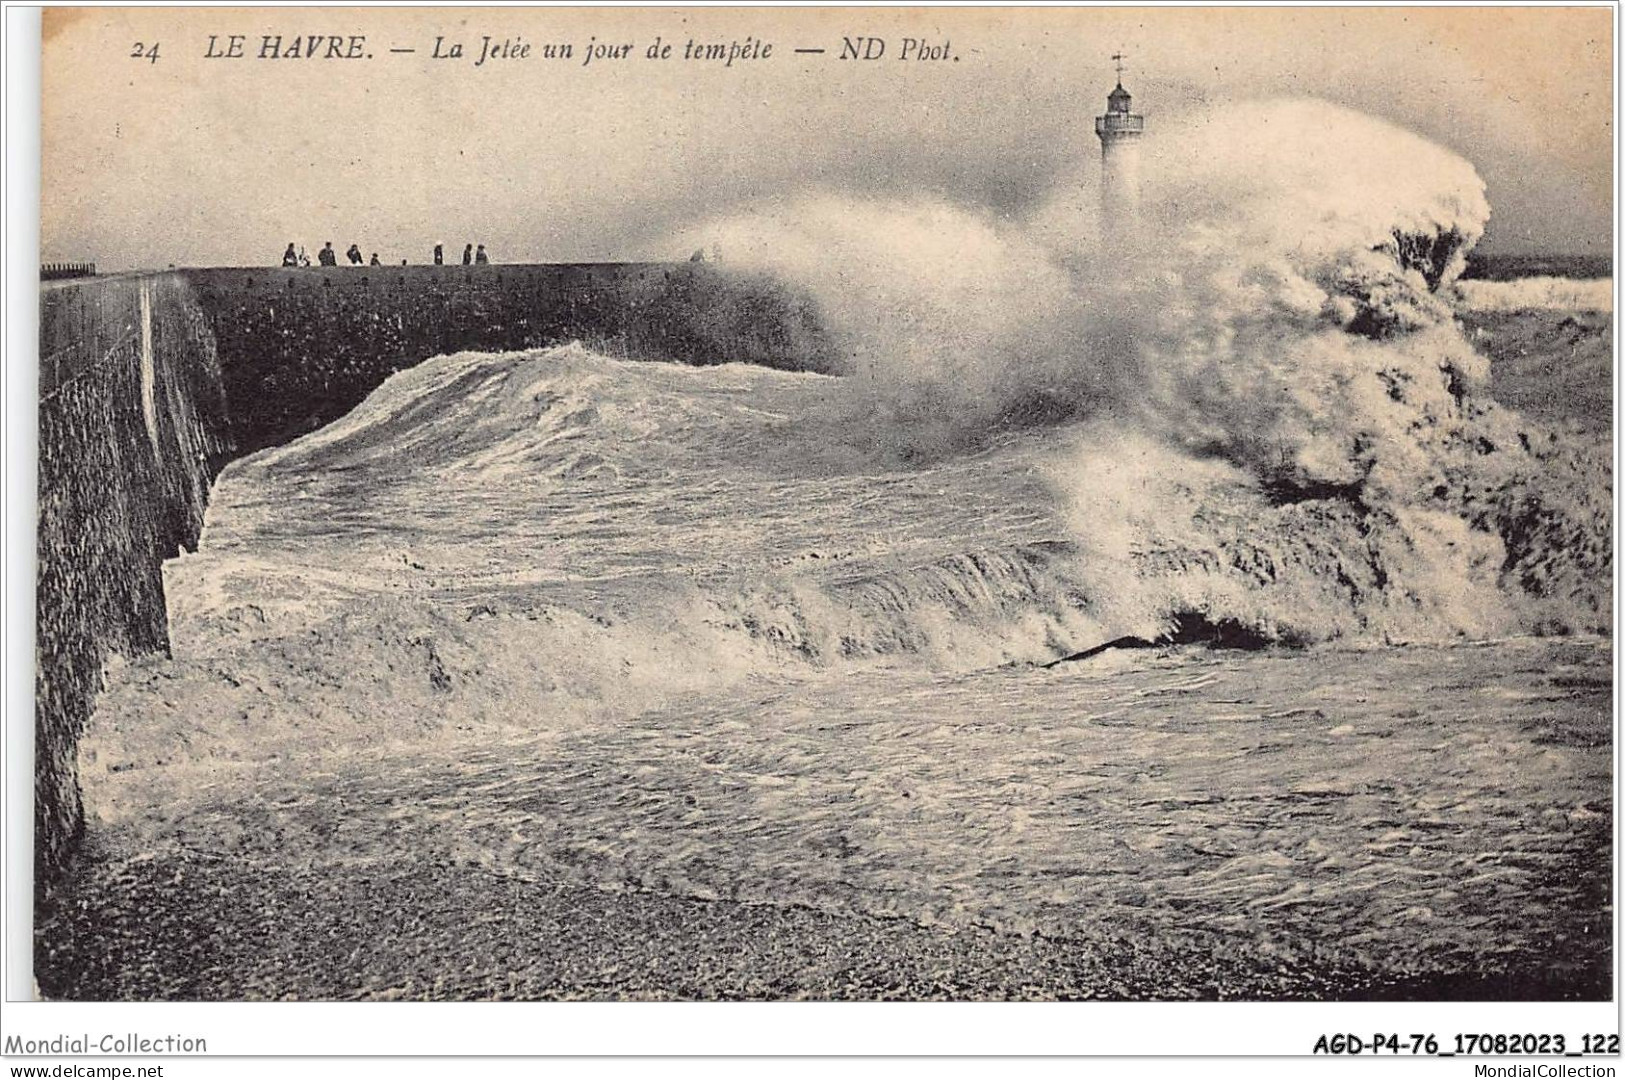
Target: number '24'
column 145, row 52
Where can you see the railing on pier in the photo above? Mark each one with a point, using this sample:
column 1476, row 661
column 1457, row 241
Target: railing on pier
column 1120, row 124
column 58, row 271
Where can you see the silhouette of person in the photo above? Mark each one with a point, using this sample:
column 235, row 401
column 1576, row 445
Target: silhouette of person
column 375, row 261
column 290, row 257
column 304, row 260
column 327, row 256
column 439, row 255
column 354, row 255
column 480, row 257
column 468, row 254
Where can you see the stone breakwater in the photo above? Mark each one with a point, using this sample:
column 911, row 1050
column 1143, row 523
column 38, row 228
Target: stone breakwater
column 132, row 429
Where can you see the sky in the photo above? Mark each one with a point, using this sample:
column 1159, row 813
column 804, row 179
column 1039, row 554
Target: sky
column 190, row 160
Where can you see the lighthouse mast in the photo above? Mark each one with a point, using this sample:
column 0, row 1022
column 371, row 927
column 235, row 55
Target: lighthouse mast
column 1120, row 131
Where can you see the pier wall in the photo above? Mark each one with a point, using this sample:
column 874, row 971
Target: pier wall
column 132, row 429
column 301, row 348
column 151, row 383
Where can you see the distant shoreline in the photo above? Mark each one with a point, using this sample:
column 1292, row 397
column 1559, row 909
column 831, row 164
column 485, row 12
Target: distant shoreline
column 1511, row 267
column 1484, row 267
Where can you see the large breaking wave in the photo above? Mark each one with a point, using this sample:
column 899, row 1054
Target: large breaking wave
column 1253, row 418
column 1275, row 339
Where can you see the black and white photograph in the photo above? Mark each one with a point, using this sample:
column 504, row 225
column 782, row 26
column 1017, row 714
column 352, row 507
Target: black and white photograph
column 830, row 504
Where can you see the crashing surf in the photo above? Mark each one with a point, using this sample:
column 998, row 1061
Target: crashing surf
column 1257, row 422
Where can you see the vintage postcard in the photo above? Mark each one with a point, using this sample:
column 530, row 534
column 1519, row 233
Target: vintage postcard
column 966, row 505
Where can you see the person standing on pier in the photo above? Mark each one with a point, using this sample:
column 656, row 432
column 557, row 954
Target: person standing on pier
column 290, row 257
column 354, row 255
column 327, row 256
column 375, row 261
column 439, row 255
column 468, row 254
column 480, row 257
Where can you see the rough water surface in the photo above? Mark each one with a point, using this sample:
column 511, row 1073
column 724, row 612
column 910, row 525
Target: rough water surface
column 1285, row 827
column 763, row 674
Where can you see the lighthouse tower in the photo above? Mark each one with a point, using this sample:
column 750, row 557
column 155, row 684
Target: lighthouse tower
column 1120, row 132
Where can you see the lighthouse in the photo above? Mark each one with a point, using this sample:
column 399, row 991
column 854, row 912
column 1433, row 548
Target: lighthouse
column 1120, row 131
